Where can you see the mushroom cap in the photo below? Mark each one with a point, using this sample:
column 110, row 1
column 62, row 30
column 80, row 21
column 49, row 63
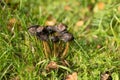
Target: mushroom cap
column 42, row 34
column 50, row 29
column 39, row 29
column 32, row 29
column 66, row 37
column 47, row 33
column 60, row 27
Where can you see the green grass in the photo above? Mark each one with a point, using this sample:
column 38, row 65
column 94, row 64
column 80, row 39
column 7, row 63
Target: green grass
column 95, row 49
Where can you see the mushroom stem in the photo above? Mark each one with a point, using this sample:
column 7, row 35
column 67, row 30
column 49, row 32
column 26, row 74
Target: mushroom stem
column 55, row 50
column 46, row 48
column 65, row 50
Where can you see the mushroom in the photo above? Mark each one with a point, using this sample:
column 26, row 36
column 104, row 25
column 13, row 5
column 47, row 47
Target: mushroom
column 54, row 39
column 57, row 33
column 43, row 35
column 66, row 37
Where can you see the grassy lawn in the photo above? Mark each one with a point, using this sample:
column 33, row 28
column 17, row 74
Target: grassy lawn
column 95, row 49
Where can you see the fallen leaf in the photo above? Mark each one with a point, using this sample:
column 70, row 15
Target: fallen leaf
column 12, row 20
column 50, row 20
column 52, row 65
column 69, row 77
column 11, row 23
column 72, row 76
column 101, row 5
column 80, row 23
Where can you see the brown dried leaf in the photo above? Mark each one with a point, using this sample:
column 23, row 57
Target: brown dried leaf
column 69, row 77
column 12, row 20
column 80, row 23
column 51, row 22
column 52, row 65
column 72, row 76
column 101, row 5
column 10, row 24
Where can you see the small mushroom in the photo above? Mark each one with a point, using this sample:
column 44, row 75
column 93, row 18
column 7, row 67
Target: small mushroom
column 66, row 37
column 32, row 29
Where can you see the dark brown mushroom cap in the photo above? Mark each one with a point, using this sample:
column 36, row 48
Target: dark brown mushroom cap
column 32, row 29
column 66, row 37
column 47, row 33
column 60, row 27
column 50, row 29
column 42, row 34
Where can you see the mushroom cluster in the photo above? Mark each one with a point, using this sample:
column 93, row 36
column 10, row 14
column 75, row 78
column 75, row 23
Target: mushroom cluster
column 57, row 34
